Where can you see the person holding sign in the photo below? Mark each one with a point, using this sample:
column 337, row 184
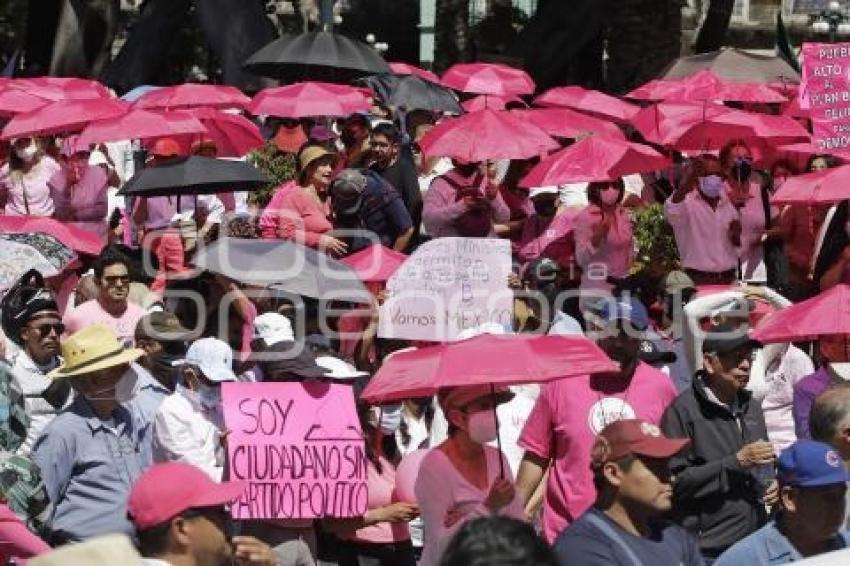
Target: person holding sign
column 381, row 536
column 189, row 425
column 464, row 477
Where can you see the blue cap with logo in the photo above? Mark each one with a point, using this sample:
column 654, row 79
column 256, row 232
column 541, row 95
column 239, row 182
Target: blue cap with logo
column 622, row 308
column 808, row 463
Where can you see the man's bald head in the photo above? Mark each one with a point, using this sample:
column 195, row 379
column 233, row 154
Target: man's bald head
column 829, row 420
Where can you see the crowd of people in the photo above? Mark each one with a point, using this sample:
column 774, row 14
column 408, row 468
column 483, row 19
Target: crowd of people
column 704, row 446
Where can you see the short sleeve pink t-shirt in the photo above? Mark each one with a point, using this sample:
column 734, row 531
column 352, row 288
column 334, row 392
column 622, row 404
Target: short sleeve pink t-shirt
column 381, row 487
column 91, row 312
column 568, row 415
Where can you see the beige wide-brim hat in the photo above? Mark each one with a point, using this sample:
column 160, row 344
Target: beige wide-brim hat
column 309, row 155
column 91, row 349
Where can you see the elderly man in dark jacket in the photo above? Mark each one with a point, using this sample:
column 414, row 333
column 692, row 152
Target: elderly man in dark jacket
column 722, row 482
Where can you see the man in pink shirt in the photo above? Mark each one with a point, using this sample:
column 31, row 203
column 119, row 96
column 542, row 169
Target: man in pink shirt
column 569, row 413
column 463, row 202
column 111, row 307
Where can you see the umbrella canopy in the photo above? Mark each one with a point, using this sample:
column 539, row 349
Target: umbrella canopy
column 735, row 65
column 141, row 124
column 375, row 263
column 591, row 101
column 566, row 123
column 412, row 92
column 288, row 266
column 486, row 134
column 491, row 101
column 14, row 101
column 306, row 99
column 64, row 116
column 828, row 186
column 399, row 68
column 233, row 135
column 706, row 85
column 825, row 314
column 79, row 240
column 316, row 55
column 488, row 78
column 489, row 359
column 690, row 126
column 192, row 95
column 60, row 88
column 21, row 252
column 194, row 176
column 594, row 158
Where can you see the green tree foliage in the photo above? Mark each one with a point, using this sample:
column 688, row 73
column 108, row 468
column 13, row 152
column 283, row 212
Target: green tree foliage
column 657, row 253
column 279, row 167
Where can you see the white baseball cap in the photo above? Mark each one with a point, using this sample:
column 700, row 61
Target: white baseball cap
column 339, row 369
column 273, row 327
column 537, row 191
column 213, row 357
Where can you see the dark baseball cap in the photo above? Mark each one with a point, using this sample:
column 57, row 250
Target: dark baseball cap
column 633, row 436
column 292, row 363
column 728, row 337
column 347, row 191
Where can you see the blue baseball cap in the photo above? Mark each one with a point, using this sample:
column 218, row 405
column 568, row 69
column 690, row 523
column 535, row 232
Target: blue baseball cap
column 621, row 308
column 808, row 463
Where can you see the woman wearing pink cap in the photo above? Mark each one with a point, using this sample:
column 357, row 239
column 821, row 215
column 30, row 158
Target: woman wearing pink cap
column 464, row 477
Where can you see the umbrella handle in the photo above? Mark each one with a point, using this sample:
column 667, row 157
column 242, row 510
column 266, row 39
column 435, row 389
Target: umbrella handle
column 498, row 436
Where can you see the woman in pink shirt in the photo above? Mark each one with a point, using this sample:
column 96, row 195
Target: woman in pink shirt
column 24, row 189
column 548, row 232
column 381, row 536
column 603, row 236
column 79, row 192
column 303, row 212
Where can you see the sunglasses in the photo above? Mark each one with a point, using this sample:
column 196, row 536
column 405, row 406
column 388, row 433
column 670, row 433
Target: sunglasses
column 44, row 329
column 115, row 279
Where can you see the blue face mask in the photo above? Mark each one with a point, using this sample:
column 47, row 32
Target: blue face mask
column 711, row 185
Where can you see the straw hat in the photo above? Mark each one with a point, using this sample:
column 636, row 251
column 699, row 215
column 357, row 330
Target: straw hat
column 91, row 349
column 310, row 154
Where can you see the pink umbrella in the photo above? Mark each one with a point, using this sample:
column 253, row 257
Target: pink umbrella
column 64, row 116
column 566, row 123
column 766, row 126
column 192, row 95
column 60, row 88
column 828, row 186
column 375, row 263
column 14, row 101
column 591, row 101
column 485, row 359
column 486, row 134
column 491, row 101
column 687, row 126
column 301, row 100
column 79, row 240
column 141, row 124
column 594, row 158
column 488, row 78
column 705, row 85
column 399, row 68
column 825, row 314
column 233, row 135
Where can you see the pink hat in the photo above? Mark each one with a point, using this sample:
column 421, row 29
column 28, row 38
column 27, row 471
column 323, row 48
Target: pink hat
column 166, row 490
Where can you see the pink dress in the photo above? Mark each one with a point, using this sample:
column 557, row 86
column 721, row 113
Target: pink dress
column 29, row 195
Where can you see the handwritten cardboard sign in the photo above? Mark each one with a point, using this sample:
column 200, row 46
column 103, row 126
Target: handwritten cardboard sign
column 299, row 447
column 825, row 91
column 447, row 286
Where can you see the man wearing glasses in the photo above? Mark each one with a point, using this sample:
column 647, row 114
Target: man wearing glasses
column 31, row 320
column 723, row 481
column 111, row 307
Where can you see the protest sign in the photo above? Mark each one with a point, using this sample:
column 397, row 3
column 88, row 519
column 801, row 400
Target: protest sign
column 446, row 286
column 299, row 447
column 825, row 91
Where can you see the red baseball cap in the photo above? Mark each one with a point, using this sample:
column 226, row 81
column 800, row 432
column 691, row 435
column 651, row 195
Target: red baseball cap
column 633, row 436
column 165, row 147
column 166, row 490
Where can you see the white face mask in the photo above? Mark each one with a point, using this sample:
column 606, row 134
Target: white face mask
column 125, row 390
column 387, row 418
column 482, row 426
column 27, row 153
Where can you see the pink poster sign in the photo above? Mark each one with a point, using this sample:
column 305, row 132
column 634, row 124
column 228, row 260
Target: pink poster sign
column 299, row 447
column 826, row 92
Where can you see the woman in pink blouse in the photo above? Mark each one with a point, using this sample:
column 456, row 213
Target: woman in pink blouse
column 603, row 236
column 24, row 189
column 302, row 213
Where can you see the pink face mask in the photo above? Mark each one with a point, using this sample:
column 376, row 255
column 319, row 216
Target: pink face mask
column 609, row 196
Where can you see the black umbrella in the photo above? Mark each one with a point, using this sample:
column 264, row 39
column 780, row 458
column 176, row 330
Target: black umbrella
column 412, row 92
column 194, row 176
column 317, row 55
column 284, row 266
